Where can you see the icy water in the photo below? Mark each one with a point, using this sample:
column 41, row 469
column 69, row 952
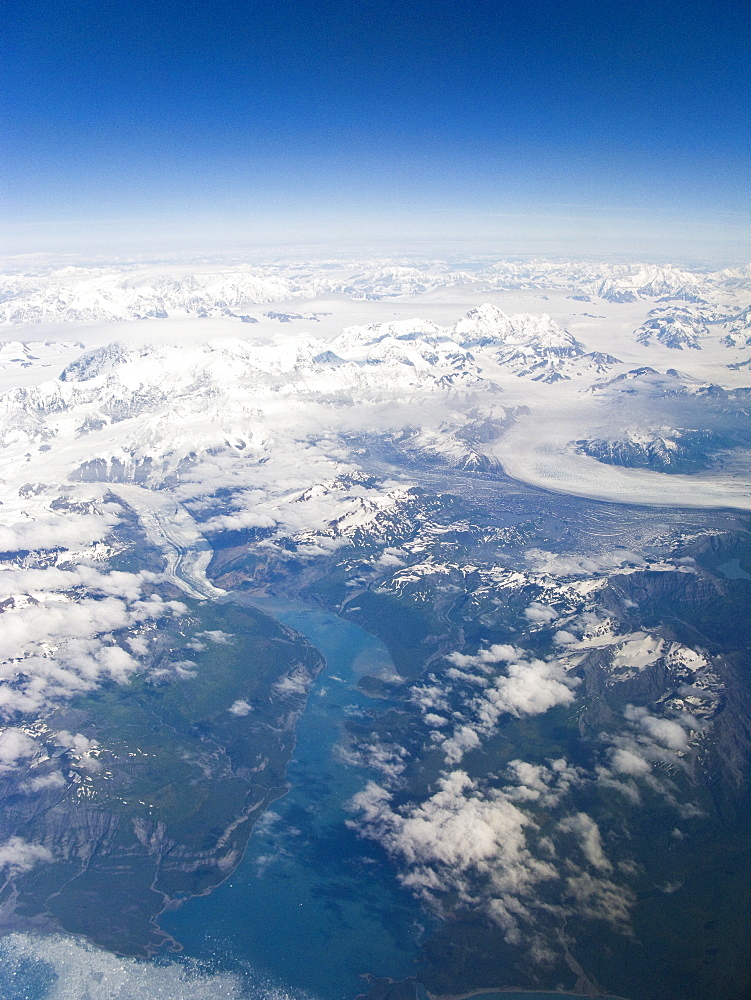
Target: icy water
column 312, row 906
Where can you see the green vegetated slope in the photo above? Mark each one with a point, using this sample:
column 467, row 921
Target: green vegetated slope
column 163, row 808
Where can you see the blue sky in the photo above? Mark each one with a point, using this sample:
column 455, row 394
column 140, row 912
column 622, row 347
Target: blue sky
column 290, row 119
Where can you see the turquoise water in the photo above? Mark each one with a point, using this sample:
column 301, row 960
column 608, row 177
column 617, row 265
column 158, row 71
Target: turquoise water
column 733, row 570
column 312, row 906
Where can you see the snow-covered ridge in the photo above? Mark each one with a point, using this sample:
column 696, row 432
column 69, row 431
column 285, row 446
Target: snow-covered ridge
column 78, row 294
column 526, row 345
column 663, row 449
column 481, row 346
column 132, row 292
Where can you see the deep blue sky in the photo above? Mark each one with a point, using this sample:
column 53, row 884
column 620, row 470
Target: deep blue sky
column 293, row 117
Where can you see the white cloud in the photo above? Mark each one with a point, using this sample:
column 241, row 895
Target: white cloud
column 56, row 649
column 239, row 521
column 217, row 636
column 670, row 734
column 500, row 652
column 627, row 788
column 18, row 855
column 83, row 749
column 530, row 688
column 391, row 557
column 39, row 583
column 430, row 697
column 54, row 779
column 564, row 564
column 542, row 784
column 389, row 760
column 602, row 899
column 240, row 707
column 182, row 669
column 625, row 761
column 527, row 686
column 587, row 832
column 463, row 739
column 15, row 745
column 456, row 826
column 540, row 613
column 294, row 684
column 460, row 840
column 564, row 638
column 138, row 644
column 54, row 532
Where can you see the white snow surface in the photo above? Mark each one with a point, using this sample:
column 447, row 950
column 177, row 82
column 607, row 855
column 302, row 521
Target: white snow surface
column 441, row 341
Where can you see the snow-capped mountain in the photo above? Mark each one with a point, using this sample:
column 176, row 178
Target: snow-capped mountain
column 737, row 330
column 133, row 292
column 525, row 345
column 663, row 449
column 99, row 294
column 645, row 382
column 672, row 328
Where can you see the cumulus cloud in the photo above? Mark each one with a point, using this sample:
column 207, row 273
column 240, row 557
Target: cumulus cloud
column 83, row 749
column 573, row 564
column 540, row 614
column 523, row 686
column 542, row 784
column 638, row 759
column 482, row 846
column 564, row 638
column 56, row 649
column 217, row 636
column 18, row 855
column 457, row 826
column 388, row 760
column 602, row 899
column 241, row 520
column 39, row 583
column 45, row 782
column 463, row 739
column 625, row 761
column 391, row 557
column 456, row 840
column 240, row 707
column 84, row 578
column 53, row 623
column 181, row 669
column 665, row 731
column 294, row 684
column 430, row 697
column 56, row 532
column 529, row 688
column 584, row 828
column 138, row 644
column 500, row 652
column 15, row 745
